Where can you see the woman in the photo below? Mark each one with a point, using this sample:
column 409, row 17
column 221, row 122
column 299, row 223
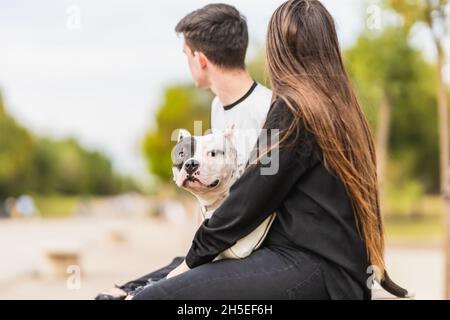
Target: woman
column 328, row 229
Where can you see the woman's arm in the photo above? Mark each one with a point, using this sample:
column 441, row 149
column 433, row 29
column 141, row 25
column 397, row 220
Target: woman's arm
column 253, row 197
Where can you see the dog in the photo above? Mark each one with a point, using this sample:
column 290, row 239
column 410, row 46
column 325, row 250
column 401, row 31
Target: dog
column 207, row 166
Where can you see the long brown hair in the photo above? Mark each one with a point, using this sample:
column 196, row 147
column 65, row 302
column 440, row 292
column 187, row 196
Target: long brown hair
column 306, row 70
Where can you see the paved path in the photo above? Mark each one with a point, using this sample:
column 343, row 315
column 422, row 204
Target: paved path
column 420, row 270
column 150, row 244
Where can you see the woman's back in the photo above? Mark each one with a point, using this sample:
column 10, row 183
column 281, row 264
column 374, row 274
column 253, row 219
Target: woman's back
column 317, row 215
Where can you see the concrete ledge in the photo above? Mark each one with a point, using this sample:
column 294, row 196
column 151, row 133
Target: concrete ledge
column 380, row 294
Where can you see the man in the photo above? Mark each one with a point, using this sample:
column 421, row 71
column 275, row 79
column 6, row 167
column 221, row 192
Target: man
column 215, row 43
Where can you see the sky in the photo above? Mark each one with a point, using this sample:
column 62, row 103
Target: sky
column 100, row 78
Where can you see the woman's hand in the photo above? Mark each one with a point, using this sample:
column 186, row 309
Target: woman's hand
column 179, row 270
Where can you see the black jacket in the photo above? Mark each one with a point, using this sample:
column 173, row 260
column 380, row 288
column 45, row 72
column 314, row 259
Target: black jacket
column 314, row 213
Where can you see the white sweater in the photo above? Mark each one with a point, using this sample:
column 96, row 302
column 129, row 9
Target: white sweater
column 247, row 115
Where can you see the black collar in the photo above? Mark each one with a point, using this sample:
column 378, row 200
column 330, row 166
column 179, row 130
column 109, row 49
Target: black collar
column 245, row 96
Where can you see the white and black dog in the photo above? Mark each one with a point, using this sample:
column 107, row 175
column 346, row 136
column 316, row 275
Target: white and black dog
column 207, row 166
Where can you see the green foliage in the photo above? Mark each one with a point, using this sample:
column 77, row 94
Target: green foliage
column 386, row 65
column 182, row 105
column 435, row 16
column 403, row 191
column 16, row 145
column 65, row 167
column 257, row 69
column 420, row 11
column 416, row 230
column 56, row 206
column 37, row 165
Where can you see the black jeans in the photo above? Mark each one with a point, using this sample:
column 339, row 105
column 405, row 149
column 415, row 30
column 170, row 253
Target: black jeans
column 271, row 272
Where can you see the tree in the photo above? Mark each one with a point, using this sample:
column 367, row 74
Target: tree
column 65, row 167
column 434, row 15
column 391, row 79
column 30, row 164
column 256, row 67
column 182, row 105
column 16, row 146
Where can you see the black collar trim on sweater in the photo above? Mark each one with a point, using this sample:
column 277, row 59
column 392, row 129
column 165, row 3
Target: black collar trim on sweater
column 245, row 96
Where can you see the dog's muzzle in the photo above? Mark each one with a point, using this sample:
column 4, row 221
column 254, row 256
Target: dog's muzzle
column 191, row 166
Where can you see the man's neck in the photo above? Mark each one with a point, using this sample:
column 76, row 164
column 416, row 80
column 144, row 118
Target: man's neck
column 231, row 86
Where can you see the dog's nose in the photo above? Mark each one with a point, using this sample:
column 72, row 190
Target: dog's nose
column 191, row 166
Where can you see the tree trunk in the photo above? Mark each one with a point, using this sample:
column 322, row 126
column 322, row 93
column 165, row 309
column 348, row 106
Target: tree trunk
column 444, row 159
column 384, row 121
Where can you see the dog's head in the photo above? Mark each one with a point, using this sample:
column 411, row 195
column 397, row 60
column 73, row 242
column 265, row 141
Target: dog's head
column 205, row 164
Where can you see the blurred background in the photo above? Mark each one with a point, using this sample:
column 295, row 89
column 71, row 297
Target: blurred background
column 91, row 92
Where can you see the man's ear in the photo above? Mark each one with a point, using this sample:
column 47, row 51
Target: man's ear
column 183, row 133
column 202, row 60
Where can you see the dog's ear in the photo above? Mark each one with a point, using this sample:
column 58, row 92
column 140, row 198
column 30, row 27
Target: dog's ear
column 229, row 132
column 183, row 133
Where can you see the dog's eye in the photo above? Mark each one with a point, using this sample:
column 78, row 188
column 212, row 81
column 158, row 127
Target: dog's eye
column 181, row 154
column 214, row 153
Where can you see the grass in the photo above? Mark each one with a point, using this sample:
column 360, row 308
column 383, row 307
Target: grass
column 415, row 229
column 424, row 222
column 56, row 206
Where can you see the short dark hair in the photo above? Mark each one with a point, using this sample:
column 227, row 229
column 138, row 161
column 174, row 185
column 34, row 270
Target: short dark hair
column 219, row 31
